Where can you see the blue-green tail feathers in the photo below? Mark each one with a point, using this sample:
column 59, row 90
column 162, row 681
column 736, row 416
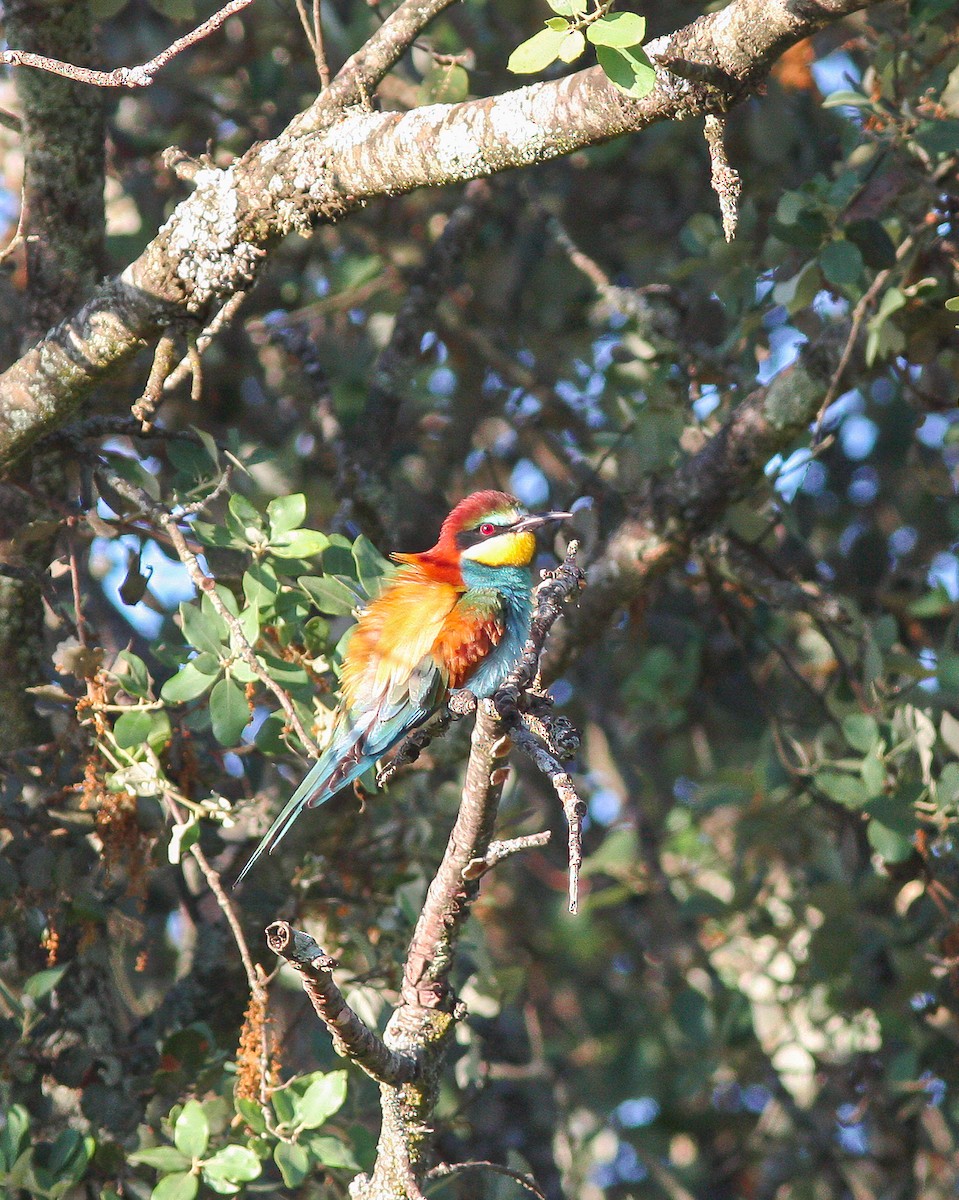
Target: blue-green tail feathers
column 341, row 763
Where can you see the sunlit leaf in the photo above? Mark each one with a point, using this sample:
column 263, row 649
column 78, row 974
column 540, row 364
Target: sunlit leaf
column 537, row 52
column 321, row 1099
column 229, row 711
column 630, row 70
column 191, row 1132
column 619, row 29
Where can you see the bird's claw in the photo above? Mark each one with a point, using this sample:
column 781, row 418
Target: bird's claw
column 461, row 703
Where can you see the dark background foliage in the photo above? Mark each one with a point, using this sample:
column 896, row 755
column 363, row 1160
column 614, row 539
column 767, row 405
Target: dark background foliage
column 759, row 995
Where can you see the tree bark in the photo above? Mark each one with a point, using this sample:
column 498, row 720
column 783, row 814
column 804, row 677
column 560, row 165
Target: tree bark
column 63, row 149
column 216, row 240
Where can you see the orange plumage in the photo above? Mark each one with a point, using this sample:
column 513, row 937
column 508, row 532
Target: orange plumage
column 455, row 616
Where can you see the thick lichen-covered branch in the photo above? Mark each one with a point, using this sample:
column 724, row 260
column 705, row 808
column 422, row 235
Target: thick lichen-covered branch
column 216, row 240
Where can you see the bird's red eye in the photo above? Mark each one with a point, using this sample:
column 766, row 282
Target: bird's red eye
column 487, row 528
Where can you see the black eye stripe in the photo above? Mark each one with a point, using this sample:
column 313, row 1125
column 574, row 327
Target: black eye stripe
column 472, row 537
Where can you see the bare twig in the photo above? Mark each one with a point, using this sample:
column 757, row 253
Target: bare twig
column 254, row 975
column 144, row 408
column 356, row 80
column 222, row 318
column 352, row 1038
column 725, row 178
column 858, row 316
column 557, row 588
column 499, row 850
column 207, row 584
column 573, row 807
column 460, row 704
column 445, row 1170
column 138, row 76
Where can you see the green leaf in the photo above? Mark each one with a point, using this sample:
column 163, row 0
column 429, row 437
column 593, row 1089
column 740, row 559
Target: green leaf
column 43, row 982
column 537, row 52
column 282, row 1102
column 568, row 8
column 846, row 99
column 160, row 731
column 229, row 711
column 875, row 245
column 331, row 1152
column 69, row 1156
column 890, row 844
column 293, row 1161
column 629, row 70
column 949, row 732
column 444, row 83
column 873, row 772
column 321, row 1100
column 934, row 604
column 203, row 630
column 799, row 290
column 238, row 1164
column 338, row 560
column 847, row 790
column 557, row 23
column 163, row 1158
column 135, row 680
column 176, row 10
column 329, row 594
column 371, row 566
column 134, row 472
column 14, row 1134
column 133, row 728
column 573, row 47
column 952, row 304
column 250, row 623
column 186, row 685
column 269, row 736
column 222, row 1186
column 841, row 263
column 619, row 29
column 191, row 1133
column 299, row 543
column 181, row 1186
column 288, row 675
column 286, row 513
column 261, row 586
column 209, row 444
column 251, row 1112
column 227, row 599
column 103, row 10
column 215, row 535
column 860, row 731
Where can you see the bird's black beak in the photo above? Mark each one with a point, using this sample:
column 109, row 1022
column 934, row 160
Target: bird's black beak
column 538, row 519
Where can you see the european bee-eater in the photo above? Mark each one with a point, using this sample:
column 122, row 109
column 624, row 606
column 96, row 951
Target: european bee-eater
column 455, row 616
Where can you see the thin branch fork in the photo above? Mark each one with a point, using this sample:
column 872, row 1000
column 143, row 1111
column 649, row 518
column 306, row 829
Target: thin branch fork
column 552, row 595
column 352, row 1038
column 138, row 76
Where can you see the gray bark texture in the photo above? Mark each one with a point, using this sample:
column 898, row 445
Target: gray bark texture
column 327, row 163
column 63, row 148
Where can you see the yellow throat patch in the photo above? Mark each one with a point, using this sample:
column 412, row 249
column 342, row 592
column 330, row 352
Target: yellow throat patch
column 504, row 550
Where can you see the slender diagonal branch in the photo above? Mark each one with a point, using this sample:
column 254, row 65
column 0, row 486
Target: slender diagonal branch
column 352, row 1038
column 138, row 76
